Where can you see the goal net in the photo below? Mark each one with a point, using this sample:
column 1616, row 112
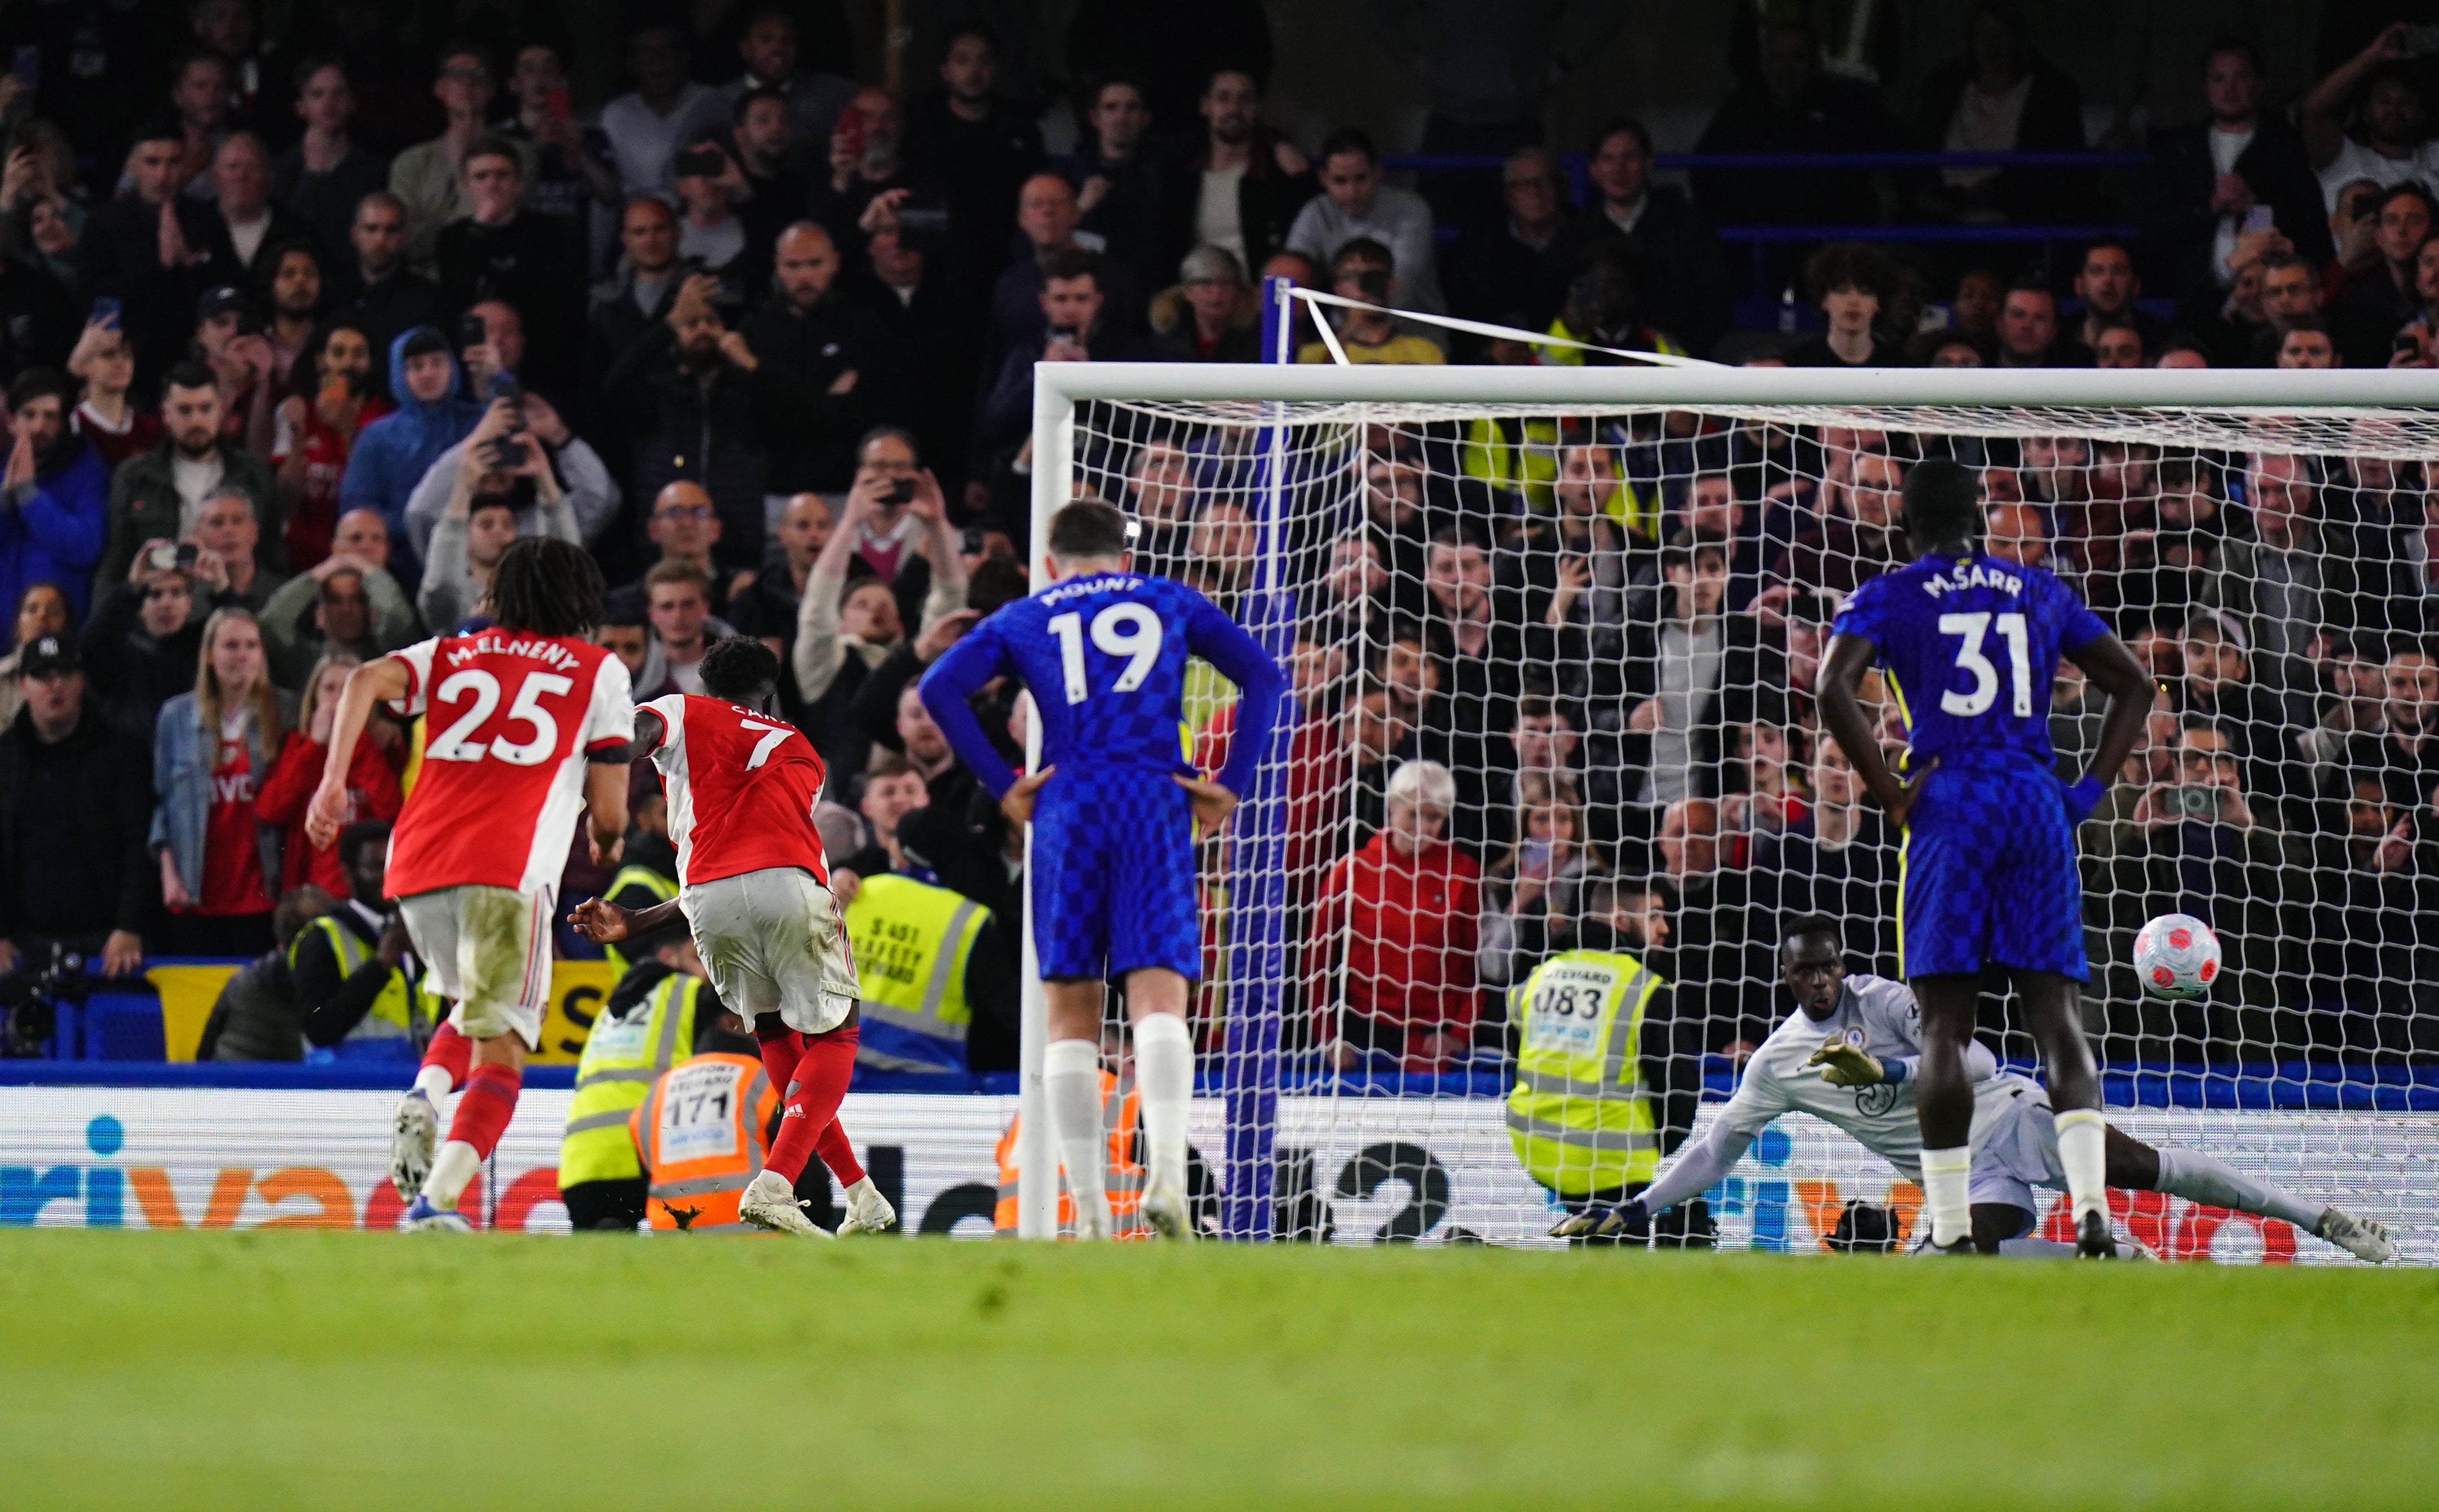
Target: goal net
column 1581, row 612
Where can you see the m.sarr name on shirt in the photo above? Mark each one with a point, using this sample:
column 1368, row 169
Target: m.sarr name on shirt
column 491, row 643
column 1972, row 575
column 1100, row 582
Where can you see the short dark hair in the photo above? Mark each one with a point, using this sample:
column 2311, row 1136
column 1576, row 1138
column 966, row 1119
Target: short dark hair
column 190, row 372
column 976, row 27
column 491, row 501
column 313, row 64
column 2029, row 283
column 36, row 382
column 2401, row 189
column 2103, row 244
column 1211, row 75
column 1366, row 247
column 996, row 582
column 1940, row 497
column 1074, row 262
column 1087, row 528
column 360, row 834
column 1348, row 139
column 736, row 667
column 2244, row 47
column 1803, row 924
column 491, row 144
column 745, row 101
column 547, row 586
column 1629, row 125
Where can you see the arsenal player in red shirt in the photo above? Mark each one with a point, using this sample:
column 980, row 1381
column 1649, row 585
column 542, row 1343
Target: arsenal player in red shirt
column 754, row 887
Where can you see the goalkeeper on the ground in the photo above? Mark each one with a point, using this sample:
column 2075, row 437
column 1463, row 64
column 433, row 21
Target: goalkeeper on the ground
column 1847, row 1056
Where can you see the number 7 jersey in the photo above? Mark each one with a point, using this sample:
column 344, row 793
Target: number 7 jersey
column 1971, row 644
column 741, row 787
column 508, row 720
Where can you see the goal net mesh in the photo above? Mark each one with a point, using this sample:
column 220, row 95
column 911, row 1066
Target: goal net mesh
column 1604, row 626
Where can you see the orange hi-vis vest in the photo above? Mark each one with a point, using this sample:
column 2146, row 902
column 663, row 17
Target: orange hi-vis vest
column 698, row 1134
column 1121, row 1117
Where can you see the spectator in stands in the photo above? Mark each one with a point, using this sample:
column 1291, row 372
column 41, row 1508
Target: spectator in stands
column 2370, row 306
column 120, row 254
column 241, row 361
column 1116, row 177
column 160, row 495
column 816, row 352
column 289, row 284
column 1533, row 894
column 1339, row 776
column 553, row 479
column 394, row 452
column 54, row 490
column 844, row 629
column 42, row 610
column 1503, row 268
column 2108, row 287
column 500, row 249
column 1692, row 671
column 975, row 144
column 2407, row 759
column 1046, row 215
column 343, row 605
column 1839, row 859
column 1846, row 278
column 2388, row 144
column 213, row 747
column 1792, row 105
column 1857, row 538
column 327, row 173
column 1242, row 186
column 254, row 1017
column 2371, row 963
column 2002, row 97
column 142, row 645
column 1210, row 316
column 765, row 187
column 867, row 173
column 772, row 50
column 221, row 241
column 226, row 538
column 1679, row 262
column 74, row 810
column 373, row 789
column 684, row 529
column 2291, row 296
column 1364, row 269
column 2353, row 691
column 105, row 417
column 2117, row 342
column 1076, row 329
column 569, row 160
column 2307, row 346
column 380, row 294
column 663, row 114
column 2204, row 178
column 768, row 605
column 1356, row 204
column 335, row 396
column 646, row 285
column 2277, row 582
column 678, row 598
column 428, row 179
column 1473, row 634
column 1403, row 913
column 712, row 236
column 688, row 397
column 473, row 533
column 892, row 789
column 2028, row 328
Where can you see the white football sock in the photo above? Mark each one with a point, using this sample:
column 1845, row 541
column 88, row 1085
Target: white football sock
column 2200, row 1178
column 2083, row 1150
column 1164, row 1080
column 1946, row 1194
column 1071, row 1085
column 451, row 1170
column 432, row 1081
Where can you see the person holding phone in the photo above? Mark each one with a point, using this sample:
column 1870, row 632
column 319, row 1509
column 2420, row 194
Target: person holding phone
column 2208, row 178
column 332, row 400
column 1366, row 270
column 520, row 257
column 570, row 157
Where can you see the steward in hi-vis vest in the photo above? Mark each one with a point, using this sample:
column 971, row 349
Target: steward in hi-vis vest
column 1121, row 1115
column 702, row 1135
column 913, row 946
column 652, row 1022
column 357, row 981
column 1579, row 1115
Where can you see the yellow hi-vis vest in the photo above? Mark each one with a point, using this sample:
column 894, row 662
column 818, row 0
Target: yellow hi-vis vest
column 661, row 889
column 622, row 1058
column 1577, row 1115
column 403, row 1011
column 911, row 943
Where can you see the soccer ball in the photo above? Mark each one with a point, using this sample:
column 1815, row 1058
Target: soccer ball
column 2177, row 956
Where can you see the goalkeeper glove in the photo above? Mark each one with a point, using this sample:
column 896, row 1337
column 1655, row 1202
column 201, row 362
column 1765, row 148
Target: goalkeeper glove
column 2082, row 796
column 1847, row 1065
column 1603, row 1222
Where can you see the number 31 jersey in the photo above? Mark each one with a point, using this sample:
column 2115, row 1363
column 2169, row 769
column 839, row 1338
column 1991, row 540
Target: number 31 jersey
column 507, row 718
column 1971, row 644
column 741, row 787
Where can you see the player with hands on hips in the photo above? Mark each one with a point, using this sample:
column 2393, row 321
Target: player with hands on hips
column 1114, row 807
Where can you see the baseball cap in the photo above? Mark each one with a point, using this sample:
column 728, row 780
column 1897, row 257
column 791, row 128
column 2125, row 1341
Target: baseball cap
column 48, row 654
column 220, row 301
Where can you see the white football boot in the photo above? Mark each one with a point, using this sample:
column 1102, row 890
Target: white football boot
column 414, row 1132
column 867, row 1211
column 2365, row 1238
column 771, row 1203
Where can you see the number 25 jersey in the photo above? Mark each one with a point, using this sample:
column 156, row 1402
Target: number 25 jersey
column 507, row 718
column 741, row 786
column 1971, row 644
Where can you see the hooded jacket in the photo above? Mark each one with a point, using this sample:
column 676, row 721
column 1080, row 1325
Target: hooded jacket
column 393, row 453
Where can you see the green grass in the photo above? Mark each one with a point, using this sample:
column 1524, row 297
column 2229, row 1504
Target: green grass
column 340, row 1370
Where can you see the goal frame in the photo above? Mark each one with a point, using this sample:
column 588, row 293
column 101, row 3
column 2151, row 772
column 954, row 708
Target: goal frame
column 1251, row 1067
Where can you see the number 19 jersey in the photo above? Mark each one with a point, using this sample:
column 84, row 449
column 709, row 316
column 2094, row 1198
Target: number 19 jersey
column 741, row 789
column 1971, row 644
column 508, row 720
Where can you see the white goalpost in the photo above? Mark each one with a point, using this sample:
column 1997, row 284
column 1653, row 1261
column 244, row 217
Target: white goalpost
column 1596, row 594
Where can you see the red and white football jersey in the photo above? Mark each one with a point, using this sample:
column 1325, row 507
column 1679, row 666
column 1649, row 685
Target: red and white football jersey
column 508, row 720
column 741, row 789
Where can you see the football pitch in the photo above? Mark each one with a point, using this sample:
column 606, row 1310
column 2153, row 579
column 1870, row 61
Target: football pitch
column 320, row 1370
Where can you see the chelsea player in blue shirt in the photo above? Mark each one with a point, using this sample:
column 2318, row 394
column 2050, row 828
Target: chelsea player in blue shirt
column 1971, row 642
column 1103, row 650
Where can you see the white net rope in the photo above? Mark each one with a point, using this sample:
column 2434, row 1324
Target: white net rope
column 1604, row 624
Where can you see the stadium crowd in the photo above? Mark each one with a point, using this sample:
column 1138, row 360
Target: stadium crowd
column 301, row 330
